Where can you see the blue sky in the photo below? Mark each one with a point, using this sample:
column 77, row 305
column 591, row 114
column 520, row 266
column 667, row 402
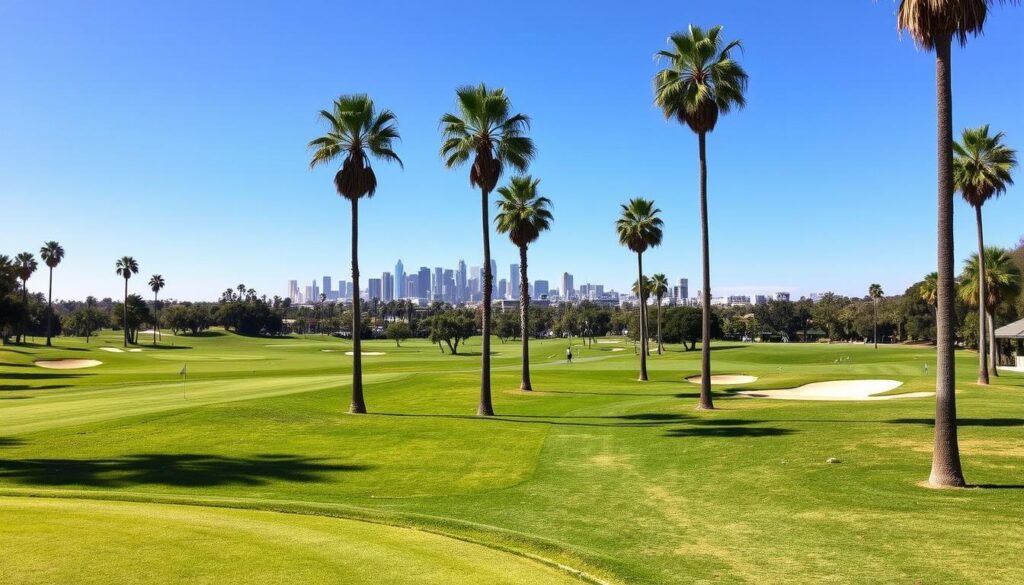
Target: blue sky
column 176, row 132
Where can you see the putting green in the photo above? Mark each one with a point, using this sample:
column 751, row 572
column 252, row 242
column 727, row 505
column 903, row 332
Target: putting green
column 80, row 541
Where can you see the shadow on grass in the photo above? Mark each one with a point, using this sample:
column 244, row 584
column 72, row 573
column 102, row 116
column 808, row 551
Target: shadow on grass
column 967, row 422
column 39, row 376
column 16, row 387
column 179, row 470
column 10, row 442
column 642, row 420
column 998, row 486
column 727, row 427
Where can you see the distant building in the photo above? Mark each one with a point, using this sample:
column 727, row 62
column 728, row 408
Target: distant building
column 293, row 291
column 782, row 296
column 400, row 283
column 513, row 281
column 448, row 289
column 760, row 300
column 502, row 288
column 540, row 288
column 423, row 286
column 567, row 286
column 328, row 290
column 494, row 273
column 374, row 289
column 387, row 287
column 410, row 286
column 474, row 281
column 738, row 300
column 681, row 292
column 461, row 283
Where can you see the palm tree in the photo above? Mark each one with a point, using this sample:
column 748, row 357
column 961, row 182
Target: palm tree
column 90, row 304
column 701, row 82
column 642, row 291
column 639, row 228
column 1001, row 282
column 156, row 282
column 356, row 132
column 26, row 265
column 981, row 170
column 523, row 214
column 928, row 291
column 875, row 292
column 486, row 130
column 126, row 267
column 51, row 253
column 933, row 24
column 659, row 288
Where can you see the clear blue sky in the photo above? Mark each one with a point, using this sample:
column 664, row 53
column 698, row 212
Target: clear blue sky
column 176, row 132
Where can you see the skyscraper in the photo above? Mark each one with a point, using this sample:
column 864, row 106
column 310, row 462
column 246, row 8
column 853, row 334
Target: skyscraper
column 513, row 281
column 494, row 274
column 438, row 288
column 474, row 278
column 387, row 287
column 373, row 288
column 410, row 286
column 423, row 286
column 315, row 291
column 540, row 288
column 461, row 284
column 448, row 292
column 502, row 289
column 293, row 290
column 567, row 286
column 400, row 290
column 328, row 290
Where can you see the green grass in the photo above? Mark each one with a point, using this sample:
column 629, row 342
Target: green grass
column 595, row 471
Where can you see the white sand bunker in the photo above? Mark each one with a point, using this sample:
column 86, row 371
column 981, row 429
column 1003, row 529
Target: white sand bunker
column 609, row 341
column 112, row 349
column 838, row 390
column 135, row 350
column 365, row 353
column 618, row 349
column 67, row 364
column 725, row 379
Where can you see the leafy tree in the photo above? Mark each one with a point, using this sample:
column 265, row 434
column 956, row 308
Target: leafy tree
column 451, row 327
column 981, row 170
column 399, row 331
column 640, row 228
column 26, row 266
column 486, row 130
column 130, row 316
column 685, row 325
column 156, row 283
column 1001, row 282
column 659, row 287
column 875, row 293
column 12, row 313
column 356, row 132
column 523, row 214
column 51, row 253
column 701, row 81
column 194, row 318
column 506, row 326
column 126, row 267
column 933, row 24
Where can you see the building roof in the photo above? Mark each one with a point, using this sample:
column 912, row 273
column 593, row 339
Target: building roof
column 1014, row 330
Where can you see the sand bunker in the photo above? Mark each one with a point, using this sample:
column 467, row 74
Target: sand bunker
column 67, row 364
column 609, row 341
column 112, row 349
column 135, row 350
column 618, row 349
column 838, row 390
column 725, row 379
column 366, row 353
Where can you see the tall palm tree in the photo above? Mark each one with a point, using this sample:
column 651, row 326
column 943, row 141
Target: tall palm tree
column 659, row 288
column 90, row 304
column 26, row 265
column 486, row 130
column 51, row 253
column 928, row 289
column 523, row 214
column 701, row 82
column 981, row 170
column 1001, row 280
column 639, row 228
column 933, row 24
column 642, row 292
column 875, row 292
column 126, row 267
column 356, row 132
column 156, row 282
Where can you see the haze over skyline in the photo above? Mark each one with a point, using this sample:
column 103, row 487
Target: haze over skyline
column 176, row 134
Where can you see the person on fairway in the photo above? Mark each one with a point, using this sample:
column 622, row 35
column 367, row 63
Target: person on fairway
column 568, row 354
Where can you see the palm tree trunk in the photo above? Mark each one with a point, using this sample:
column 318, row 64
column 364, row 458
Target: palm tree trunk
column 659, row 325
column 125, row 307
column 155, row 325
column 982, row 329
column 49, row 308
column 485, row 408
column 524, row 318
column 993, row 354
column 358, row 405
column 875, row 320
column 643, row 317
column 946, row 470
column 24, row 304
column 705, row 330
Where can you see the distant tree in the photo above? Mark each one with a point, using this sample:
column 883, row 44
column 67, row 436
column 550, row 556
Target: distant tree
column 11, row 311
column 826, row 313
column 486, row 130
column 523, row 214
column 659, row 288
column 356, row 132
column 1002, row 283
column 51, row 253
column 701, row 81
column 685, row 324
column 130, row 316
column 156, row 282
column 26, row 266
column 982, row 167
column 639, row 228
column 875, row 292
column 506, row 326
column 451, row 327
column 126, row 267
column 399, row 331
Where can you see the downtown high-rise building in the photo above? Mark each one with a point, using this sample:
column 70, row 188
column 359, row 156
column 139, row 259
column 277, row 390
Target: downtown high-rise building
column 387, row 287
column 400, row 285
column 567, row 287
column 513, row 281
column 474, row 281
column 461, row 283
column 540, row 288
column 374, row 289
column 293, row 291
column 437, row 289
column 494, row 275
column 328, row 290
column 502, row 289
column 423, row 284
column 410, row 286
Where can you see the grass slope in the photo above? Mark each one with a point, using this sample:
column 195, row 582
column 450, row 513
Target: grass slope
column 621, row 479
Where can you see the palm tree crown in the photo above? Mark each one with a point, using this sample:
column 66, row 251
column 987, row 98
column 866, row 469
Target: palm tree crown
column 701, row 80
column 659, row 286
column 929, row 20
column 1002, row 279
column 875, row 291
column 356, row 131
column 485, row 128
column 639, row 227
column 982, row 165
column 127, row 266
column 51, row 253
column 156, row 282
column 26, row 265
column 522, row 213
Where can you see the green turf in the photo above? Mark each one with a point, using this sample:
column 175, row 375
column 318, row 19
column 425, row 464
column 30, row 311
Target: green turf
column 595, row 471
